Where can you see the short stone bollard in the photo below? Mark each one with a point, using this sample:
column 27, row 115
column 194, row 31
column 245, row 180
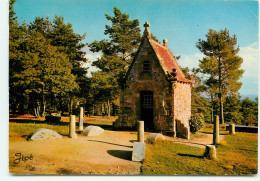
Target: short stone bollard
column 72, row 130
column 232, row 128
column 140, row 131
column 216, row 139
column 81, row 119
column 138, row 151
column 210, row 152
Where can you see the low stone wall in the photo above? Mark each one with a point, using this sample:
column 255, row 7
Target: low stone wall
column 248, row 129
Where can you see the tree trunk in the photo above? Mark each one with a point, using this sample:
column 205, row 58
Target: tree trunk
column 60, row 101
column 221, row 111
column 71, row 105
column 212, row 109
column 220, row 93
column 44, row 106
column 108, row 108
column 37, row 109
column 102, row 109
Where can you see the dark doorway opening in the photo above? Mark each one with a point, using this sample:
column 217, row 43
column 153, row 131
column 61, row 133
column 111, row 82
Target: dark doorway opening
column 147, row 109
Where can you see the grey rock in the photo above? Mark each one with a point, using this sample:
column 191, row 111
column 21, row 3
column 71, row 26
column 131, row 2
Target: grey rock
column 92, row 131
column 138, row 151
column 43, row 134
column 152, row 137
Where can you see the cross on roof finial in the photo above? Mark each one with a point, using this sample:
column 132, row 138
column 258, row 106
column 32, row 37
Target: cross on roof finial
column 146, row 25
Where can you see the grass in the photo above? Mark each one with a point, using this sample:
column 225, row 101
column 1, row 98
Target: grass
column 197, row 135
column 100, row 123
column 237, row 157
column 112, row 118
column 27, row 128
column 208, row 128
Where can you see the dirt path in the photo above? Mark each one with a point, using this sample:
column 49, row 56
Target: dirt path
column 107, row 154
column 202, row 141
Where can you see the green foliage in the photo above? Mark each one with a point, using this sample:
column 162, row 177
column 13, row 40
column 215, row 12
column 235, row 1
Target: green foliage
column 222, row 65
column 199, row 104
column 124, row 33
column 232, row 109
column 249, row 110
column 117, row 55
column 196, row 123
column 45, row 62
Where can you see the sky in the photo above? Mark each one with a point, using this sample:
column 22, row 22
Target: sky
column 181, row 22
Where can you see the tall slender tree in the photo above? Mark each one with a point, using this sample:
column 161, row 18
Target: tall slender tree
column 118, row 50
column 222, row 65
column 17, row 41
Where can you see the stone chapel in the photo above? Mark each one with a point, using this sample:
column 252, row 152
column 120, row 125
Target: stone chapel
column 156, row 91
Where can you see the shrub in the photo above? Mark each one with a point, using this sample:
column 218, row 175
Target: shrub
column 196, row 123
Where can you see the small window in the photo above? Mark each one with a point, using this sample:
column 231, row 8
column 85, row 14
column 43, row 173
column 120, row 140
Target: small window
column 146, row 67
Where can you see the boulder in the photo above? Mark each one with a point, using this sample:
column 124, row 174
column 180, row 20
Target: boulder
column 153, row 137
column 138, row 151
column 43, row 134
column 92, row 131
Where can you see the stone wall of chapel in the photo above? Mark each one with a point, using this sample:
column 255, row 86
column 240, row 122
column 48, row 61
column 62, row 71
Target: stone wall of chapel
column 182, row 104
column 154, row 81
column 169, row 103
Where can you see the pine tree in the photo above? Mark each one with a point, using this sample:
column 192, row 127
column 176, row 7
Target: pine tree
column 118, row 53
column 232, row 109
column 17, row 39
column 46, row 72
column 249, row 110
column 66, row 41
column 221, row 65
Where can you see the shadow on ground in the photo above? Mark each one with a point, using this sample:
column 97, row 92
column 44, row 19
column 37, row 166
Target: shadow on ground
column 111, row 143
column 122, row 154
column 132, row 141
column 189, row 155
column 192, row 143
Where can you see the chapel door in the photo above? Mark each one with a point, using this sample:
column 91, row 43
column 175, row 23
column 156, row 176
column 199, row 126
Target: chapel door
column 147, row 109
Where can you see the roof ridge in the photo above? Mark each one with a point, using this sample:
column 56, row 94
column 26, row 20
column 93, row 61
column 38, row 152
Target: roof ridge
column 164, row 64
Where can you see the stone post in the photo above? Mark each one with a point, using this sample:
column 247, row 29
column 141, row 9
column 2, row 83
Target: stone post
column 210, row 152
column 72, row 130
column 140, row 131
column 216, row 139
column 232, row 128
column 174, row 127
column 81, row 119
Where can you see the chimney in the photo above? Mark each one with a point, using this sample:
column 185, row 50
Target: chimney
column 165, row 42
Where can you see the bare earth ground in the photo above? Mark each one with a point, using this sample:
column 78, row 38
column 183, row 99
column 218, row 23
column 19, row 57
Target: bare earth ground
column 107, row 154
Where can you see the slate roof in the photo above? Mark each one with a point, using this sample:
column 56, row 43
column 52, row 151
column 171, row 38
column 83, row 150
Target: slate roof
column 168, row 62
column 165, row 57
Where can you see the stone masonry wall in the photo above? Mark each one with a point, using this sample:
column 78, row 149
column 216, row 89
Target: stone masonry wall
column 182, row 108
column 137, row 81
column 171, row 101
